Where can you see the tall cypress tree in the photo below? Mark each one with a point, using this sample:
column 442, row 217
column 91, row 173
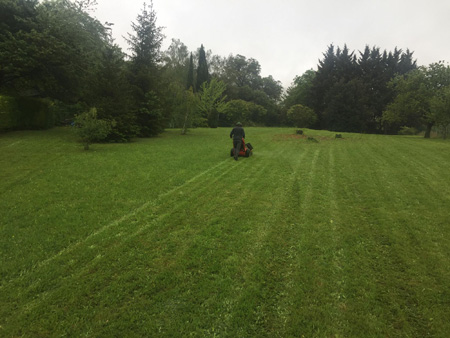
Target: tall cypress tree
column 190, row 77
column 202, row 69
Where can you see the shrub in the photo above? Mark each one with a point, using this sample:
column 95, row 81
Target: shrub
column 301, row 116
column 90, row 129
column 408, row 131
column 25, row 113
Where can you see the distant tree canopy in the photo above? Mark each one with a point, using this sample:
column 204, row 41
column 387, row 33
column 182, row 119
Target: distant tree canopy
column 422, row 98
column 350, row 92
column 56, row 56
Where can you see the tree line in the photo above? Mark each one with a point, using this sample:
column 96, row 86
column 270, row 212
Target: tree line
column 58, row 61
column 372, row 92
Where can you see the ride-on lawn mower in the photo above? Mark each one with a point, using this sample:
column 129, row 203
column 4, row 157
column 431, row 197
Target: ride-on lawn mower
column 246, row 149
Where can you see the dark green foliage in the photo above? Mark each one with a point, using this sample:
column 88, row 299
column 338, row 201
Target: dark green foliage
column 272, row 88
column 246, row 112
column 301, row 116
column 149, row 116
column 90, row 129
column 212, row 101
column 51, row 51
column 190, row 76
column 112, row 96
column 145, row 42
column 408, row 131
column 7, row 109
column 350, row 93
column 25, row 113
column 65, row 113
column 145, row 76
column 421, row 99
column 57, row 50
column 202, row 69
column 300, row 91
column 346, row 109
column 244, row 82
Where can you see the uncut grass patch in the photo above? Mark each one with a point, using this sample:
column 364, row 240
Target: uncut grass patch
column 170, row 236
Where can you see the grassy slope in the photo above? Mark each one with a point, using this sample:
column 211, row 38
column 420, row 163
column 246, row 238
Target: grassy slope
column 165, row 236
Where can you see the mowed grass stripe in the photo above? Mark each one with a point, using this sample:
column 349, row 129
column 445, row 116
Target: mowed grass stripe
column 312, row 248
column 313, row 239
column 89, row 251
column 383, row 241
column 80, row 216
column 263, row 261
column 167, row 235
column 148, row 208
column 170, row 204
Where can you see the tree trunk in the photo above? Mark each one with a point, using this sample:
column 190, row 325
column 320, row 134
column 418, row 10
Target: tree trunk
column 428, row 131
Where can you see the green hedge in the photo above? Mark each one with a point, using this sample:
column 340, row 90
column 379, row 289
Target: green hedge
column 25, row 113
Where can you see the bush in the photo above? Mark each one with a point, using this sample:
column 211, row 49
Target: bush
column 408, row 131
column 301, row 116
column 7, row 108
column 90, row 129
column 247, row 112
column 25, row 113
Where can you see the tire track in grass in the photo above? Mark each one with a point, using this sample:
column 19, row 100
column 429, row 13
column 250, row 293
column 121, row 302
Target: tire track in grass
column 45, row 296
column 173, row 207
column 382, row 272
column 339, row 254
column 197, row 259
column 115, row 223
column 313, row 284
column 198, row 192
column 266, row 256
column 248, row 259
column 417, row 239
column 363, row 196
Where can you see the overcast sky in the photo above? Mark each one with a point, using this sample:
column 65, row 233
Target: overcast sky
column 288, row 37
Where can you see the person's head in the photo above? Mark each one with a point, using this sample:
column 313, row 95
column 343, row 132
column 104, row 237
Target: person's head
column 239, row 124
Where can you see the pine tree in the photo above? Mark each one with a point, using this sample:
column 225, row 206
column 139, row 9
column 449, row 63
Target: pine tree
column 145, row 46
column 202, row 69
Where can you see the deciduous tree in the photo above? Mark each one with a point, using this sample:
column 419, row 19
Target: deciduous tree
column 420, row 98
column 302, row 116
column 212, row 101
column 91, row 129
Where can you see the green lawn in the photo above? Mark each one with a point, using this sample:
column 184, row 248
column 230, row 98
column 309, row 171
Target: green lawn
column 171, row 237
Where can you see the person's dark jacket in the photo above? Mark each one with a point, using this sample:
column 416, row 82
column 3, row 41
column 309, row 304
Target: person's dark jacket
column 237, row 133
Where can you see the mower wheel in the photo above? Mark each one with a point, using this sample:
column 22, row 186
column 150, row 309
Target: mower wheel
column 248, row 152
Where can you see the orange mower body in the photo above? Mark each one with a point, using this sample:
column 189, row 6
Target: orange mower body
column 246, row 149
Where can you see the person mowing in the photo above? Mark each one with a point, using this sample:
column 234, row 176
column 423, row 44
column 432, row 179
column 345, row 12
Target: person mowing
column 237, row 134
